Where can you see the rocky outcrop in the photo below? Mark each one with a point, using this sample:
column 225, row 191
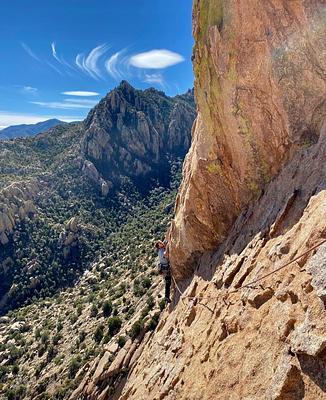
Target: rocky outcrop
column 132, row 133
column 92, row 173
column 16, row 203
column 69, row 238
column 260, row 88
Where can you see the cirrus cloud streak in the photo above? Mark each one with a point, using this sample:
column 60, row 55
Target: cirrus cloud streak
column 89, row 64
column 64, row 105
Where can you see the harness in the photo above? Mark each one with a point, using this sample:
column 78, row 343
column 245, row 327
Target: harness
column 164, row 269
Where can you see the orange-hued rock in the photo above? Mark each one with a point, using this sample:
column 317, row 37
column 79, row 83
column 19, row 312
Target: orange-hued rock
column 260, row 89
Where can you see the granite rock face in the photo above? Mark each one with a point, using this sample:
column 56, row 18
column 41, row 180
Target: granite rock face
column 132, row 133
column 260, row 89
column 16, row 203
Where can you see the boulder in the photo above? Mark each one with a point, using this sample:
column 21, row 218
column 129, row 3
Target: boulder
column 305, row 341
column 101, row 366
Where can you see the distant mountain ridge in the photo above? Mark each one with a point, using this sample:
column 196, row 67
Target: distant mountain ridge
column 24, row 130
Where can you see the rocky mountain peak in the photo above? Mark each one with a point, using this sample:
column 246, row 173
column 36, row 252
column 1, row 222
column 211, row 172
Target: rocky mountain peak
column 130, row 132
column 126, row 87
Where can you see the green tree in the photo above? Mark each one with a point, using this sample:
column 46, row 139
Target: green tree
column 107, row 308
column 98, row 334
column 114, row 324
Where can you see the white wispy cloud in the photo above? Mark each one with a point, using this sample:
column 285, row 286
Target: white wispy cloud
column 90, row 103
column 156, row 59
column 154, row 78
column 112, row 65
column 55, row 68
column 80, row 59
column 81, row 93
column 64, row 105
column 8, row 118
column 54, row 52
column 60, row 59
column 29, row 89
column 89, row 64
column 29, row 51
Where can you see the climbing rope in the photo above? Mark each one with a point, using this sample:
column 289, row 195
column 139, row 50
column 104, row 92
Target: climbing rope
column 249, row 285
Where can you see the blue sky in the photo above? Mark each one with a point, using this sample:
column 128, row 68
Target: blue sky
column 59, row 57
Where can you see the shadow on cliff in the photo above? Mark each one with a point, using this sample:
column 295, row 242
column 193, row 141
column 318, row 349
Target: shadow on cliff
column 315, row 368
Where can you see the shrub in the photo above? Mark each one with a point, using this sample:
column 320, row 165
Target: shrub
column 162, row 304
column 136, row 329
column 73, row 318
column 144, row 312
column 115, row 324
column 52, row 352
column 107, row 308
column 73, row 368
column 59, row 326
column 82, row 336
column 56, row 338
column 3, row 372
column 98, row 334
column 45, row 338
column 121, row 341
column 94, row 311
column 146, row 282
column 106, row 338
column 150, row 302
column 15, row 369
column 152, row 324
column 79, row 310
column 15, row 393
column 37, row 333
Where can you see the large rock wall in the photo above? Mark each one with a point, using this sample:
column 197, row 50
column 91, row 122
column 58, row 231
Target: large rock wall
column 260, row 88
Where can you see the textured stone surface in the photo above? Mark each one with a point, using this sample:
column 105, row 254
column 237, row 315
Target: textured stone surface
column 260, row 89
column 287, row 383
column 317, row 268
column 305, row 341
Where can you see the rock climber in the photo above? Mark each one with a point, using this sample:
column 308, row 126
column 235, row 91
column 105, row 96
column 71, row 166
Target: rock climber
column 164, row 266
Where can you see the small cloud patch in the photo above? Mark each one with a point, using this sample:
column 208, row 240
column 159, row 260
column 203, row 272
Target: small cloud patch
column 156, row 59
